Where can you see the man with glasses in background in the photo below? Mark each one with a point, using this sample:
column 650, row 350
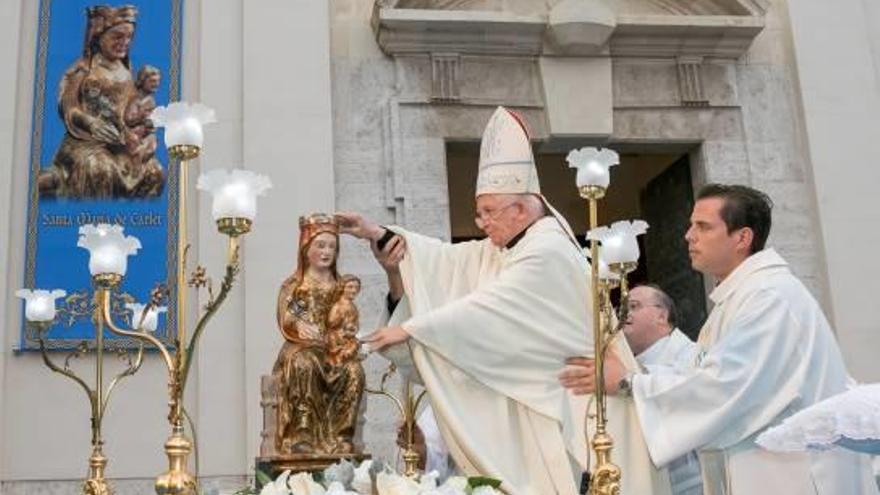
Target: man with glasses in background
column 651, row 332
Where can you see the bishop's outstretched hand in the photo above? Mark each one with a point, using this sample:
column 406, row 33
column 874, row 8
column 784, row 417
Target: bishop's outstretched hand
column 357, row 225
column 385, row 337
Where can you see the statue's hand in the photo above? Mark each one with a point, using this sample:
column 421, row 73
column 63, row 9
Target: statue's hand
column 356, row 225
column 309, row 331
column 105, row 132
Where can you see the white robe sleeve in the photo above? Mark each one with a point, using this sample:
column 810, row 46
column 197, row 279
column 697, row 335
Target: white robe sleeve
column 513, row 333
column 451, row 268
column 449, row 265
column 738, row 387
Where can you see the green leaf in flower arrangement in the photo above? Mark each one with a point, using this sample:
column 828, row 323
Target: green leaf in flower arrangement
column 263, row 478
column 478, row 481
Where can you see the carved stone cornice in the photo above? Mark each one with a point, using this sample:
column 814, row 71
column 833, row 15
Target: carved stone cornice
column 401, row 31
column 676, row 36
column 714, row 7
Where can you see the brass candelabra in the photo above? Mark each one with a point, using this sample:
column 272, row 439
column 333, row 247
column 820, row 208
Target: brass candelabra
column 178, row 358
column 98, row 396
column 234, row 208
column 408, row 407
column 606, row 477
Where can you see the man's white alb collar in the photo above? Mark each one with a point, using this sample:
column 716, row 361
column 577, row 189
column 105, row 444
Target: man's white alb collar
column 767, row 258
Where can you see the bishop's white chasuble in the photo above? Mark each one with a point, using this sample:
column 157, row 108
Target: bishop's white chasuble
column 491, row 329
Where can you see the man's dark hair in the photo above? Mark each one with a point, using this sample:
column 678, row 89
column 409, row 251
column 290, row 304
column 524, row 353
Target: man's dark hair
column 743, row 207
column 663, row 301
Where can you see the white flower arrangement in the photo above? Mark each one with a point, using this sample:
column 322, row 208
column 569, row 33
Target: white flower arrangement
column 346, row 479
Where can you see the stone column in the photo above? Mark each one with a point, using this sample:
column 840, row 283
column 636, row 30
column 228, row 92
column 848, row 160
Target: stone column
column 837, row 49
column 10, row 12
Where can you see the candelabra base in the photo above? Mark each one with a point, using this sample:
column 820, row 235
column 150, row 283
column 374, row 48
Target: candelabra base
column 96, row 487
column 606, row 476
column 96, row 484
column 410, row 463
column 177, row 481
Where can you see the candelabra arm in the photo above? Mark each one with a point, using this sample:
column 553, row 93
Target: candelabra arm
column 66, row 372
column 232, row 269
column 382, row 390
column 133, row 367
column 141, row 336
column 410, row 417
column 391, row 396
column 407, row 407
column 419, row 400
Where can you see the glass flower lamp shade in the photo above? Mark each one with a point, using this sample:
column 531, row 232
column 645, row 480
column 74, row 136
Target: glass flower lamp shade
column 593, row 168
column 235, row 195
column 148, row 321
column 183, row 123
column 619, row 244
column 605, row 273
column 40, row 304
column 109, row 249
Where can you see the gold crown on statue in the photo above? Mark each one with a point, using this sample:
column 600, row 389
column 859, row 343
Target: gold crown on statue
column 316, row 219
column 316, row 223
column 103, row 17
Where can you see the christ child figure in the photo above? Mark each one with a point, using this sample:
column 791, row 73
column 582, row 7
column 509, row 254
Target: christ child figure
column 343, row 323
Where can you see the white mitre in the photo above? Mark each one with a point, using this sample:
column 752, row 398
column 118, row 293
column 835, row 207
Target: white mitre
column 506, row 162
column 507, row 165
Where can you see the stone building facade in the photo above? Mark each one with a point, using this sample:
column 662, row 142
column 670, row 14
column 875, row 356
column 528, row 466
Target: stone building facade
column 360, row 105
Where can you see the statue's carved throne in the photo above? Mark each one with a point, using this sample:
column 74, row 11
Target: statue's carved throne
column 271, row 460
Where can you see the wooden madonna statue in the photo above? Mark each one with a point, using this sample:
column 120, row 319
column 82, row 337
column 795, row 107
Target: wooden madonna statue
column 312, row 399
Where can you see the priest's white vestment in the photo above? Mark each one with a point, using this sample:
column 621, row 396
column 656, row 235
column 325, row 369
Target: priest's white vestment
column 491, row 329
column 674, row 350
column 766, row 351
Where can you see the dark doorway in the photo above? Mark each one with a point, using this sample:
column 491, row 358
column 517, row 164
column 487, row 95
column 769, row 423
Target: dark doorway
column 667, row 202
column 655, row 187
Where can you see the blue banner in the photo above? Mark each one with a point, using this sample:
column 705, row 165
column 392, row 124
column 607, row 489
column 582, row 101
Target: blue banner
column 96, row 157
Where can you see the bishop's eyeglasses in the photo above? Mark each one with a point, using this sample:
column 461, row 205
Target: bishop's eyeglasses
column 483, row 218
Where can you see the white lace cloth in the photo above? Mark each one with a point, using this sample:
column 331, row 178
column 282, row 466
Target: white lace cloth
column 850, row 419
